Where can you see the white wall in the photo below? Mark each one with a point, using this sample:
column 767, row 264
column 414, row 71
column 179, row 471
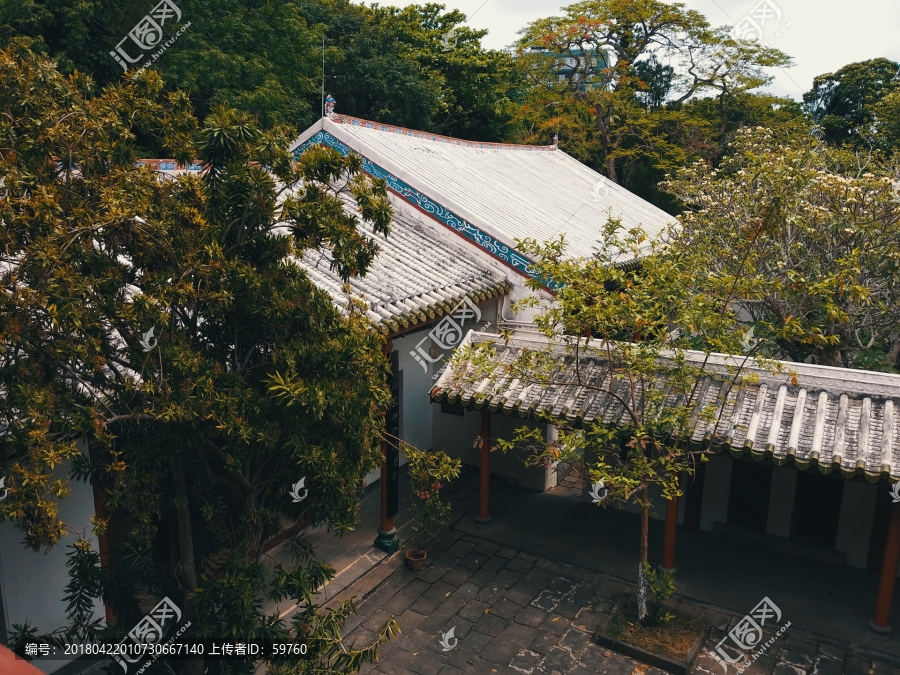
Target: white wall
column 416, row 414
column 33, row 583
column 716, row 489
column 456, row 434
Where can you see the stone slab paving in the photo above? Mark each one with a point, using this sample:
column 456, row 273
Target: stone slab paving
column 514, row 613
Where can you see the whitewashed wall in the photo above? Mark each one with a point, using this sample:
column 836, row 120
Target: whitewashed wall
column 33, row 583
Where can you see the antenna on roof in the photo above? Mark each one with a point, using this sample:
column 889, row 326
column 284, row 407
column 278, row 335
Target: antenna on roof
column 323, row 75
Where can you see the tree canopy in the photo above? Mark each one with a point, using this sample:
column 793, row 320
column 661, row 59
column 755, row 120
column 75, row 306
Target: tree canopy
column 845, row 103
column 165, row 323
column 823, row 276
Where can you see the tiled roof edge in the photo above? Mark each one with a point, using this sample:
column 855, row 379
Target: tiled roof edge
column 391, row 128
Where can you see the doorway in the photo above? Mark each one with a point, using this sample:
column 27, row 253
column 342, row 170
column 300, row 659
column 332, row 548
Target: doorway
column 817, row 508
column 751, row 484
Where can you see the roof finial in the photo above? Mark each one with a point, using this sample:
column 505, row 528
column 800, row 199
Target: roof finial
column 555, row 140
column 329, row 106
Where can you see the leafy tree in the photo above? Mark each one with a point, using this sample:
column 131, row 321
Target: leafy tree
column 165, row 322
column 262, row 58
column 823, row 276
column 636, row 325
column 887, row 116
column 611, row 117
column 844, row 103
column 416, row 67
column 429, row 472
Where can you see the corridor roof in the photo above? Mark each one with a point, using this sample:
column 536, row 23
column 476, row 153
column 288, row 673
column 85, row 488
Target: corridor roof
column 832, row 418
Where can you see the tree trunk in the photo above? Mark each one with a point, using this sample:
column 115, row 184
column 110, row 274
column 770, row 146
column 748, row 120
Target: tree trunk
column 833, row 358
column 186, row 570
column 611, row 169
column 643, row 590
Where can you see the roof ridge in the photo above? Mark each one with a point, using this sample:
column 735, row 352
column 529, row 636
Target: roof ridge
column 427, row 135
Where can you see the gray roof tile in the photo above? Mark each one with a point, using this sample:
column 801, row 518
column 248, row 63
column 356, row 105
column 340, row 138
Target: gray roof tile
column 833, row 418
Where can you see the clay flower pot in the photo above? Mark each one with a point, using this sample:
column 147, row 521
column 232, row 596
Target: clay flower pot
column 415, row 559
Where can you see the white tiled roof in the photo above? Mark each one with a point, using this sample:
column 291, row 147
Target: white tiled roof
column 505, row 191
column 416, row 275
column 833, row 418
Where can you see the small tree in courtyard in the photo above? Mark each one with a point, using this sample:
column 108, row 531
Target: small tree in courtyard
column 643, row 321
column 429, row 473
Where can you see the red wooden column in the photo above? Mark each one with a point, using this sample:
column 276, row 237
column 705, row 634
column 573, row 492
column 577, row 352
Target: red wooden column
column 880, row 622
column 484, row 485
column 668, row 556
column 387, row 539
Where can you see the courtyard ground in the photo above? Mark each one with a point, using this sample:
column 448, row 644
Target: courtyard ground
column 512, row 612
column 525, row 593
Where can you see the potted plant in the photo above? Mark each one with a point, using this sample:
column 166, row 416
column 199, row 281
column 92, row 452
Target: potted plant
column 429, row 471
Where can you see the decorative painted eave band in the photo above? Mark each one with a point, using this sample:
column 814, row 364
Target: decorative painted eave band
column 168, row 165
column 496, row 248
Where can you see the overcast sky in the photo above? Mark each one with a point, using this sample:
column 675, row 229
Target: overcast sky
column 823, row 34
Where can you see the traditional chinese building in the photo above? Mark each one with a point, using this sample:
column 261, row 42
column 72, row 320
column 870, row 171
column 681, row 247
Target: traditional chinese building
column 810, row 462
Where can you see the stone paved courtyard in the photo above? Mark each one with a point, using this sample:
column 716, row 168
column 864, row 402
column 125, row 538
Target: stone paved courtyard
column 517, row 613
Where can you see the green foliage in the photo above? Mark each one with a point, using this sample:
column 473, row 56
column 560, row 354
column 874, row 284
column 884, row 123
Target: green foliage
column 814, row 233
column 641, row 322
column 629, row 119
column 661, row 586
column 265, row 58
column 406, row 67
column 252, row 378
column 845, row 103
column 261, row 58
column 429, row 472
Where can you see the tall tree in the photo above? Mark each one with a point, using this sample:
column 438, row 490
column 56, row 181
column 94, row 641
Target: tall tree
column 417, row 67
column 165, row 322
column 622, row 335
column 258, row 57
column 844, row 102
column 616, row 112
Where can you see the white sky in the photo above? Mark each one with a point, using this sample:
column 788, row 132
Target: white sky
column 823, row 36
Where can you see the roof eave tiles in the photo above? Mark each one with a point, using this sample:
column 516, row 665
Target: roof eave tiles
column 815, row 422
